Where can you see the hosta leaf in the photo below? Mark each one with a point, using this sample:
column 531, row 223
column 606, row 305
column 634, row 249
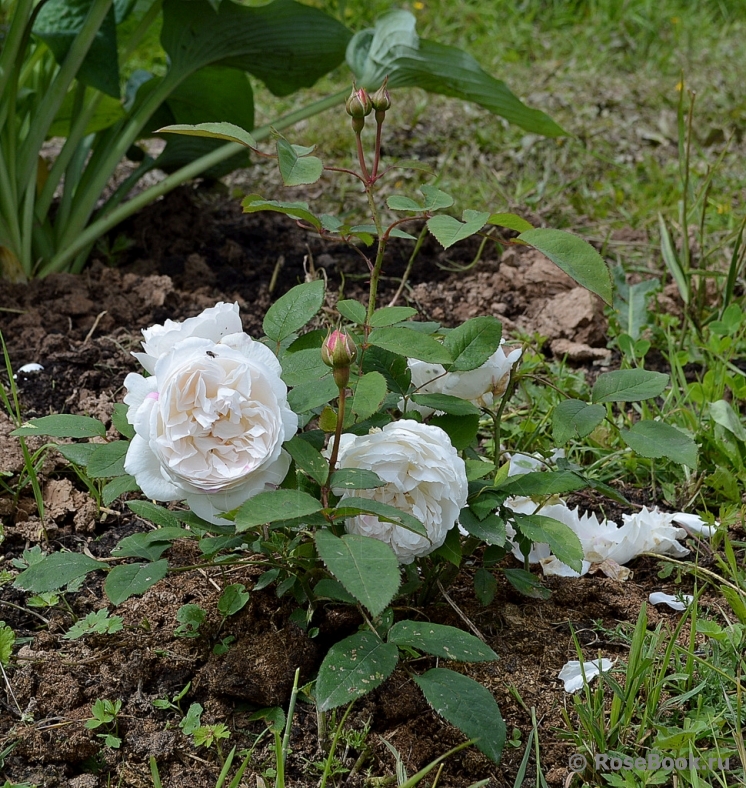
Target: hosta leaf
column 352, row 668
column 576, row 257
column 366, row 567
column 133, row 579
column 467, row 705
column 395, row 50
column 441, row 641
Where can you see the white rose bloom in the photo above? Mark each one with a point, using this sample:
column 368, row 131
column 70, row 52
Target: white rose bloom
column 480, row 386
column 214, row 323
column 424, row 476
column 209, row 424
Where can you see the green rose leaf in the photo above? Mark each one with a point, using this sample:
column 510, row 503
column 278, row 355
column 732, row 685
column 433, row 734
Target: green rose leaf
column 573, row 417
column 63, row 425
column 56, row 571
column 655, row 439
column 473, row 342
column 628, row 385
column 274, row 505
column 561, row 538
column 293, row 310
column 441, row 641
column 406, row 342
column 133, row 579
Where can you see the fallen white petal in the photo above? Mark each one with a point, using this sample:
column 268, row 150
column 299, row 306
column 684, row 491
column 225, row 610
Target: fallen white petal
column 674, row 602
column 572, row 674
column 694, row 524
column 27, row 369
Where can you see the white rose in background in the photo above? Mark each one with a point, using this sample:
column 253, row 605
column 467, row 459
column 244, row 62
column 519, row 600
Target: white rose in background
column 424, row 476
column 480, row 386
column 214, row 323
column 210, row 423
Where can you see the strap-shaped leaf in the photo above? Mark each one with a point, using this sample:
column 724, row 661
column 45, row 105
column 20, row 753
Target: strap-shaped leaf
column 395, row 49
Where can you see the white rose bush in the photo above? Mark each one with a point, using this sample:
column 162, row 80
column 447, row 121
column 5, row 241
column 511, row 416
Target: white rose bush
column 353, row 450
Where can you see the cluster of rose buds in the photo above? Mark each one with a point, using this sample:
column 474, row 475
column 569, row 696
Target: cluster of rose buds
column 360, row 104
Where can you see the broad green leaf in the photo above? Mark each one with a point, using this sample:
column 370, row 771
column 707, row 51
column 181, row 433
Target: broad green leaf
column 354, row 311
column 133, row 579
column 526, row 583
column 313, row 394
column 628, row 385
column 333, row 589
column 308, row 459
column 395, row 50
column 441, row 641
column 352, row 507
column 412, row 344
column 446, row 403
column 285, row 44
column 56, row 571
column 303, row 366
column 273, row 505
column 462, row 430
column 153, row 513
column 631, row 304
column 295, row 210
column 297, row 170
column 576, row 257
column 511, row 221
column 485, row 586
column 369, row 393
column 491, row 529
column 62, row 425
column 218, row 131
column 473, row 342
column 311, row 340
column 478, row 469
column 352, row 668
column 435, row 199
column 355, row 479
column 450, row 550
column 366, row 567
column 119, row 420
column 398, row 202
column 572, row 418
column 449, row 230
column 389, row 315
column 108, row 460
column 468, row 705
column 78, row 453
column 721, row 412
column 560, row 537
column 233, row 599
column 151, row 545
column 543, row 483
column 391, row 365
column 108, row 112
column 59, row 22
column 118, row 486
column 655, row 439
column 293, row 310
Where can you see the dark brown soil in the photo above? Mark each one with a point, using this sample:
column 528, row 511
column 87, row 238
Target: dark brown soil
column 189, row 251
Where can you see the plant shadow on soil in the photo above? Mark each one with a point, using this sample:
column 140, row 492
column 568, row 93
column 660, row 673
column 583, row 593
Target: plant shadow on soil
column 191, row 250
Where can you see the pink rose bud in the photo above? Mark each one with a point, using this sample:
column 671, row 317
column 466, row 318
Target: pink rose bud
column 358, row 105
column 338, row 350
column 381, row 99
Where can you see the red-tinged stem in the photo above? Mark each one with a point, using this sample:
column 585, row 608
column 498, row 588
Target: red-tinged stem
column 361, row 158
column 377, row 159
column 349, row 172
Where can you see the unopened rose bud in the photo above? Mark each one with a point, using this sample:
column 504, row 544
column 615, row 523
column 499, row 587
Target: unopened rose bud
column 381, row 100
column 338, row 350
column 358, row 106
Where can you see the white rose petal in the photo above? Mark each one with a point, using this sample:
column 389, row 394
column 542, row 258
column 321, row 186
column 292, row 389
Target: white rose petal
column 694, row 524
column 674, row 602
column 214, row 323
column 424, row 476
column 572, row 674
column 480, row 386
column 210, row 423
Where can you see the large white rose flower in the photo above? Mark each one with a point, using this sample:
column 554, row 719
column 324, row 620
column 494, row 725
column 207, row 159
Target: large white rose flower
column 210, row 423
column 424, row 476
column 214, row 323
column 480, row 386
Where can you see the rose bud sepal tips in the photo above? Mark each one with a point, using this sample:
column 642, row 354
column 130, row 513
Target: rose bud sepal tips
column 338, row 352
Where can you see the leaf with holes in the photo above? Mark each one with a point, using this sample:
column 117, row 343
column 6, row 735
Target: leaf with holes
column 352, row 668
column 441, row 641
